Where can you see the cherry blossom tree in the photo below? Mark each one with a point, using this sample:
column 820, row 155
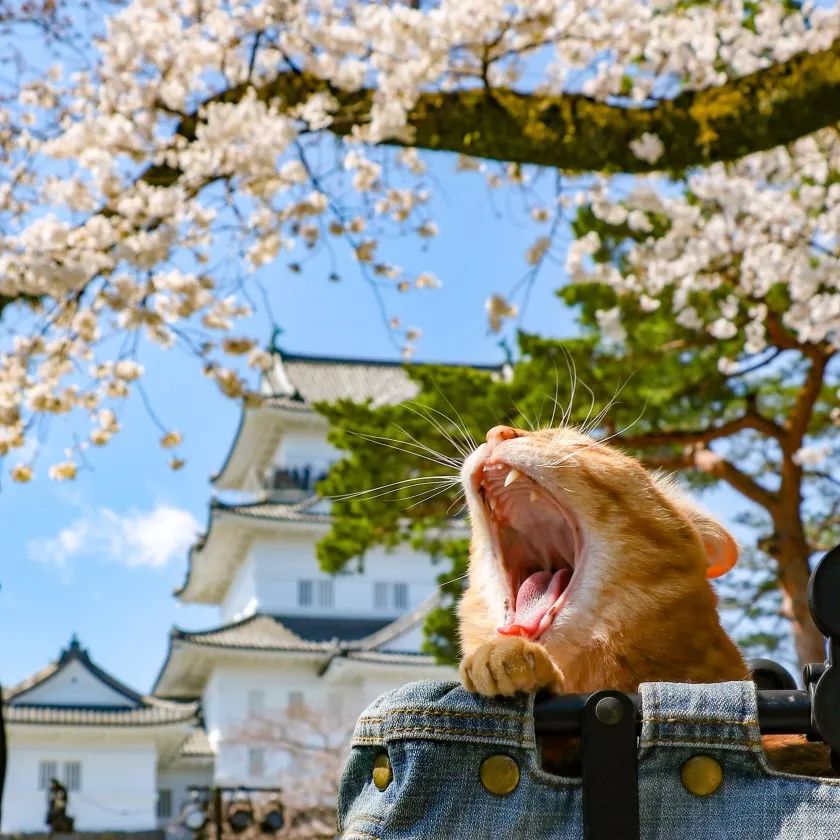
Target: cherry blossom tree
column 305, row 751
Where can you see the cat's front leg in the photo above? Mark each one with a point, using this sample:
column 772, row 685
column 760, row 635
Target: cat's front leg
column 509, row 664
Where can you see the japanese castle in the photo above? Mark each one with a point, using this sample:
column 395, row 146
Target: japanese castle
column 290, row 641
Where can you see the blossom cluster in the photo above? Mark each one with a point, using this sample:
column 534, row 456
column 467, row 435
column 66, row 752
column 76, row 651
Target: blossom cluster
column 769, row 223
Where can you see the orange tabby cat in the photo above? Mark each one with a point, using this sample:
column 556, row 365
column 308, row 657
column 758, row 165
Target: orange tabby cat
column 587, row 572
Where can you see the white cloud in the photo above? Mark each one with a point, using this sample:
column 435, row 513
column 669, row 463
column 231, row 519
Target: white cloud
column 135, row 538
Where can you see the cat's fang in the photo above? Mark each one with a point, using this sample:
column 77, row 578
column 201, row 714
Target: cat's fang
column 512, row 476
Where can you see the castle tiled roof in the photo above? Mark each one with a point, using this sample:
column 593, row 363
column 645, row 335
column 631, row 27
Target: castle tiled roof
column 257, row 632
column 196, row 745
column 304, row 511
column 316, row 379
column 154, row 713
column 325, row 638
column 305, row 633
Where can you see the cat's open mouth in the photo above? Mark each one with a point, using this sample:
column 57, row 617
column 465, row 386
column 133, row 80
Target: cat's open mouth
column 536, row 540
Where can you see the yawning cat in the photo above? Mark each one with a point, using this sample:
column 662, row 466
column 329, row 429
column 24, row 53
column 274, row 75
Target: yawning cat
column 586, row 571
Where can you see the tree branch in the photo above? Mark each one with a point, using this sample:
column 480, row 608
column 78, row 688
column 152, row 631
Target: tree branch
column 803, row 408
column 574, row 132
column 749, row 420
column 710, row 462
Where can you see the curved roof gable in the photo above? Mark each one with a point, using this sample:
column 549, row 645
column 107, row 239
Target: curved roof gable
column 74, row 690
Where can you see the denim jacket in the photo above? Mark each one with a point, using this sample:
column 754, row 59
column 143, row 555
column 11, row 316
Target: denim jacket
column 415, row 771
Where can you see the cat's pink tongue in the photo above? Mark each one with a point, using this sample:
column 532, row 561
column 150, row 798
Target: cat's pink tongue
column 535, row 598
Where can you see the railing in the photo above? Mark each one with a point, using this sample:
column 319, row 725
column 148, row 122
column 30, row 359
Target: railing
column 300, row 478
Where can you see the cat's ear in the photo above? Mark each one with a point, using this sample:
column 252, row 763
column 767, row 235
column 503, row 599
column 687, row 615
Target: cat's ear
column 721, row 548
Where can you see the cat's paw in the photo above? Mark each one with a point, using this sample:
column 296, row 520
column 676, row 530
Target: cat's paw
column 507, row 665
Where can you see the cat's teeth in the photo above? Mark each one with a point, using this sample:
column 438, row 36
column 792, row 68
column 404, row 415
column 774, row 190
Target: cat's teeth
column 512, row 476
column 532, row 497
column 492, row 502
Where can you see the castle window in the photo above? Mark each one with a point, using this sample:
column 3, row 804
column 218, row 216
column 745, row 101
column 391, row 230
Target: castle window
column 305, row 593
column 311, row 592
column 380, row 596
column 325, row 593
column 72, row 775
column 256, row 762
column 47, row 771
column 390, row 596
column 164, row 804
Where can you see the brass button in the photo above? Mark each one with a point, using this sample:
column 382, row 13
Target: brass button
column 382, row 773
column 701, row 775
column 499, row 774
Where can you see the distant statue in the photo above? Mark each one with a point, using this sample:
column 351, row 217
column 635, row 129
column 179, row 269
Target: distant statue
column 57, row 818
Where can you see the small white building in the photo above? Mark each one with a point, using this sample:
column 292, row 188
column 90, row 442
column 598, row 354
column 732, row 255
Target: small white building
column 107, row 744
column 292, row 639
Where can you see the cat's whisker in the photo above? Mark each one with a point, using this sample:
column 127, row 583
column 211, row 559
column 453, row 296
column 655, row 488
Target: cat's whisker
column 429, row 496
column 465, row 433
column 603, row 413
column 426, row 447
column 524, row 416
column 422, row 479
column 437, row 425
column 450, row 461
column 463, row 499
column 627, row 427
column 554, row 398
column 427, row 493
column 598, row 442
column 426, row 489
column 454, row 580
column 567, row 414
column 591, row 404
column 401, row 446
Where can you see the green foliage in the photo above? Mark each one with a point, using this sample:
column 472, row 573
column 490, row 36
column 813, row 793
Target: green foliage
column 402, row 461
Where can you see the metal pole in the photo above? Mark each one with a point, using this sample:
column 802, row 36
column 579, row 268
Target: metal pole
column 779, row 712
column 217, row 811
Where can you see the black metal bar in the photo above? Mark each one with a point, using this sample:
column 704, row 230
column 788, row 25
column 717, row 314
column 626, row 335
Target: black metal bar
column 217, row 812
column 779, row 713
column 233, row 789
column 610, row 773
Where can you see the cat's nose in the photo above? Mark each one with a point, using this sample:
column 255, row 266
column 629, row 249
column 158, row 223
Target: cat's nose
column 501, row 433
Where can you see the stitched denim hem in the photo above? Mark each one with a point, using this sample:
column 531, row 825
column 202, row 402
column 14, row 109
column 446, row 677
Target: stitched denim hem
column 724, row 714
column 445, row 712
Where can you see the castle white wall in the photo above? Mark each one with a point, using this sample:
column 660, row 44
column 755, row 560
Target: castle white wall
column 332, row 705
column 268, row 579
column 178, row 781
column 118, row 781
column 242, row 598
